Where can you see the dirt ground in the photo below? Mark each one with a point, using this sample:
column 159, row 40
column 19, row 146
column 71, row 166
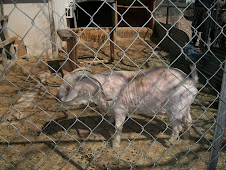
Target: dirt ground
column 39, row 135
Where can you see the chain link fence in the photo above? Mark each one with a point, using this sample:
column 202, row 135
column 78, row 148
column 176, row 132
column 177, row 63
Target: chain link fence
column 44, row 40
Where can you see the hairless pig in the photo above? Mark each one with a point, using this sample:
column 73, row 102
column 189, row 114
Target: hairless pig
column 122, row 93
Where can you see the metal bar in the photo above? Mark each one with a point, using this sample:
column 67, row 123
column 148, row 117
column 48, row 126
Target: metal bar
column 220, row 125
column 215, row 26
column 167, row 13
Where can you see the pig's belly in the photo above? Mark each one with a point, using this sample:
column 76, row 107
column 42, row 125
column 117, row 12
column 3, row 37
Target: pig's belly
column 148, row 108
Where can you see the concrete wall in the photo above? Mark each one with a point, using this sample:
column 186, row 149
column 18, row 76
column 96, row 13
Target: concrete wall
column 29, row 20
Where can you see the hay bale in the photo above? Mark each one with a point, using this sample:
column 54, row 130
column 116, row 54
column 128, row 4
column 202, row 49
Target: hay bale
column 94, row 34
column 128, row 32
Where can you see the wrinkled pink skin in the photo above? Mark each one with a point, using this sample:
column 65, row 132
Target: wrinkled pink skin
column 154, row 91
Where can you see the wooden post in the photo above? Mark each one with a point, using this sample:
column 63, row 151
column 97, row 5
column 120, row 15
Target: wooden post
column 112, row 46
column 151, row 7
column 220, row 125
column 5, row 35
column 4, row 58
column 6, row 50
column 112, row 35
column 2, row 50
column 72, row 50
column 68, row 35
column 115, row 14
column 52, row 29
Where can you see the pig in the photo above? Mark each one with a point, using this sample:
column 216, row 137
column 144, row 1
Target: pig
column 120, row 94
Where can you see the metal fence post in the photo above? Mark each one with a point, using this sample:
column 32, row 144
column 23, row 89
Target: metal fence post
column 220, row 125
column 167, row 12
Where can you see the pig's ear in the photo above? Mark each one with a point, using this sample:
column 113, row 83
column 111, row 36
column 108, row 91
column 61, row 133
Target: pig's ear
column 93, row 80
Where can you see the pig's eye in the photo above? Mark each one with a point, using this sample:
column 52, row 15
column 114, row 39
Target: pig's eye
column 68, row 88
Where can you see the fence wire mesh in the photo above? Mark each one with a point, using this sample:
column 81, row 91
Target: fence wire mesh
column 54, row 119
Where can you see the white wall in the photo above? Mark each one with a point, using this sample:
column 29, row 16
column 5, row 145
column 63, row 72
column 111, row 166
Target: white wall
column 30, row 21
column 59, row 17
column 59, row 8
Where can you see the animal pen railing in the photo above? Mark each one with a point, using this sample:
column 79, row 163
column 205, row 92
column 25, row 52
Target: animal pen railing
column 38, row 130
